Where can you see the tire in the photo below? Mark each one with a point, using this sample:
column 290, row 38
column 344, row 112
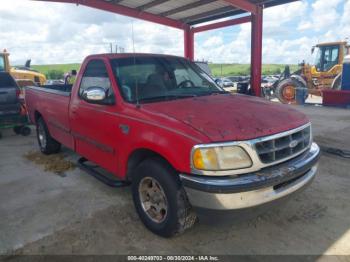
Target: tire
column 47, row 144
column 336, row 84
column 25, row 131
column 177, row 214
column 285, row 91
column 17, row 130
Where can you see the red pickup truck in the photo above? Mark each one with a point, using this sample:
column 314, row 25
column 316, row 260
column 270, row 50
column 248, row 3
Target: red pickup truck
column 163, row 125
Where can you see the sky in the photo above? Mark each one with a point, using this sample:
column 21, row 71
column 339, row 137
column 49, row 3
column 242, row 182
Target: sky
column 55, row 33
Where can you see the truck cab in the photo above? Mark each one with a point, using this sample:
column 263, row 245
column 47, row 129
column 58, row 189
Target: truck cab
column 327, row 66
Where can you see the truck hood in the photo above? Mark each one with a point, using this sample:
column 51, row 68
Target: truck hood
column 229, row 117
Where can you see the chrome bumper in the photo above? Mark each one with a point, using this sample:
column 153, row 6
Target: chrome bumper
column 249, row 190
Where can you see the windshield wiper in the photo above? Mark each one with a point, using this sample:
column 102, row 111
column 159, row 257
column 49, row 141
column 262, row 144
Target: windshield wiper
column 213, row 92
column 165, row 97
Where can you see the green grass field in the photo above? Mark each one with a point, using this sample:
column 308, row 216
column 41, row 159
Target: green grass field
column 54, row 71
column 244, row 69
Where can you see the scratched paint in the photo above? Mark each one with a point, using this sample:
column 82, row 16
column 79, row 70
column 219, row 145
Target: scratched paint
column 231, row 117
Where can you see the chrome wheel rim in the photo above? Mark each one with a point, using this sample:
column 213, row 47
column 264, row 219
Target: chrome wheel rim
column 153, row 199
column 42, row 136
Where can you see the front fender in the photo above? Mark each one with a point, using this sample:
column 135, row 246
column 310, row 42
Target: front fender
column 173, row 148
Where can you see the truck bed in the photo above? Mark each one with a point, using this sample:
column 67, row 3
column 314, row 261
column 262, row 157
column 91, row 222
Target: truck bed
column 55, row 89
column 52, row 103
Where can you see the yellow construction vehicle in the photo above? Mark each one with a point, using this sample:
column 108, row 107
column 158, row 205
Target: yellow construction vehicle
column 21, row 73
column 325, row 73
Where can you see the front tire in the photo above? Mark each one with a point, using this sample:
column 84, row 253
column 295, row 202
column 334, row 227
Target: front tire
column 286, row 90
column 160, row 200
column 47, row 144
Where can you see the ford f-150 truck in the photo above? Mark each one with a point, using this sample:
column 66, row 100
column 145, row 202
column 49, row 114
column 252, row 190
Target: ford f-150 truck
column 163, row 125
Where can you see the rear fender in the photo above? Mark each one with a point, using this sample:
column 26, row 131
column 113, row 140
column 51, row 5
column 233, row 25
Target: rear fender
column 299, row 79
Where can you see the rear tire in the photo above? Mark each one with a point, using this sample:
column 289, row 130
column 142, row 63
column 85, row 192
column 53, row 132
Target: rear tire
column 47, row 144
column 160, row 200
column 285, row 91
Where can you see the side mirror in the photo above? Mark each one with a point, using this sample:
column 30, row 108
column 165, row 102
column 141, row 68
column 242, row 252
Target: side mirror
column 313, row 49
column 94, row 95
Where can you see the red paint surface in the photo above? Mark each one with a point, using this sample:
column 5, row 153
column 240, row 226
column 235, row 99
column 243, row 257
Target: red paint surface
column 256, row 51
column 236, row 21
column 169, row 128
column 244, row 5
column 189, row 43
column 231, row 117
column 336, row 97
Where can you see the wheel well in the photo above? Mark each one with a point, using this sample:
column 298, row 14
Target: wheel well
column 139, row 156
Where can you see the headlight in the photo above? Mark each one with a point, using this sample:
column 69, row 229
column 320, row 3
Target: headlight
column 220, row 158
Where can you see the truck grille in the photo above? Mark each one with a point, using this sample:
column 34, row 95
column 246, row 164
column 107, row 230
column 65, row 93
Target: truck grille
column 283, row 147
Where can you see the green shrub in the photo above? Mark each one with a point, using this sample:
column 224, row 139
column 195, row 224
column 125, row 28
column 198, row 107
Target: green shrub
column 55, row 74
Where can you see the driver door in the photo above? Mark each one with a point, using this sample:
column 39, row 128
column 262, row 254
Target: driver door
column 95, row 126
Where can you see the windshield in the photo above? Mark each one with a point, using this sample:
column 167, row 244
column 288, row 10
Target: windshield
column 317, row 58
column 2, row 63
column 326, row 57
column 151, row 79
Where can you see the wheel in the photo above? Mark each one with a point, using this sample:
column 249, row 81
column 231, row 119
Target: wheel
column 17, row 130
column 160, row 200
column 25, row 131
column 285, row 91
column 336, row 85
column 47, row 144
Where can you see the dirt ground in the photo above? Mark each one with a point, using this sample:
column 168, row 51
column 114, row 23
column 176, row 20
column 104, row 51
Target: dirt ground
column 44, row 212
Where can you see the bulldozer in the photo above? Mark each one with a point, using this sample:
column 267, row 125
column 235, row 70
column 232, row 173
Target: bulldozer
column 324, row 73
column 24, row 73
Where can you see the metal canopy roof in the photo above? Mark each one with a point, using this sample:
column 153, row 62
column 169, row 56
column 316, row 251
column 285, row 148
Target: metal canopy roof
column 186, row 12
column 192, row 11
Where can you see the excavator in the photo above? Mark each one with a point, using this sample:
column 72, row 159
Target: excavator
column 24, row 73
column 324, row 73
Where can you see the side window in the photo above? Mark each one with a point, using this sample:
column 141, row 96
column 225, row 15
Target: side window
column 2, row 63
column 96, row 75
column 331, row 57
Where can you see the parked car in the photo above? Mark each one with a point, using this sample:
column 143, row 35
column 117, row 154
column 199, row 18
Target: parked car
column 12, row 111
column 226, row 84
column 9, row 95
column 183, row 143
column 55, row 82
column 236, row 79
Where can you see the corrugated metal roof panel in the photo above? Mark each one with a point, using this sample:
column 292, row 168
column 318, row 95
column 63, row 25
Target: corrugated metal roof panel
column 197, row 10
column 187, row 11
column 169, row 5
column 134, row 3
